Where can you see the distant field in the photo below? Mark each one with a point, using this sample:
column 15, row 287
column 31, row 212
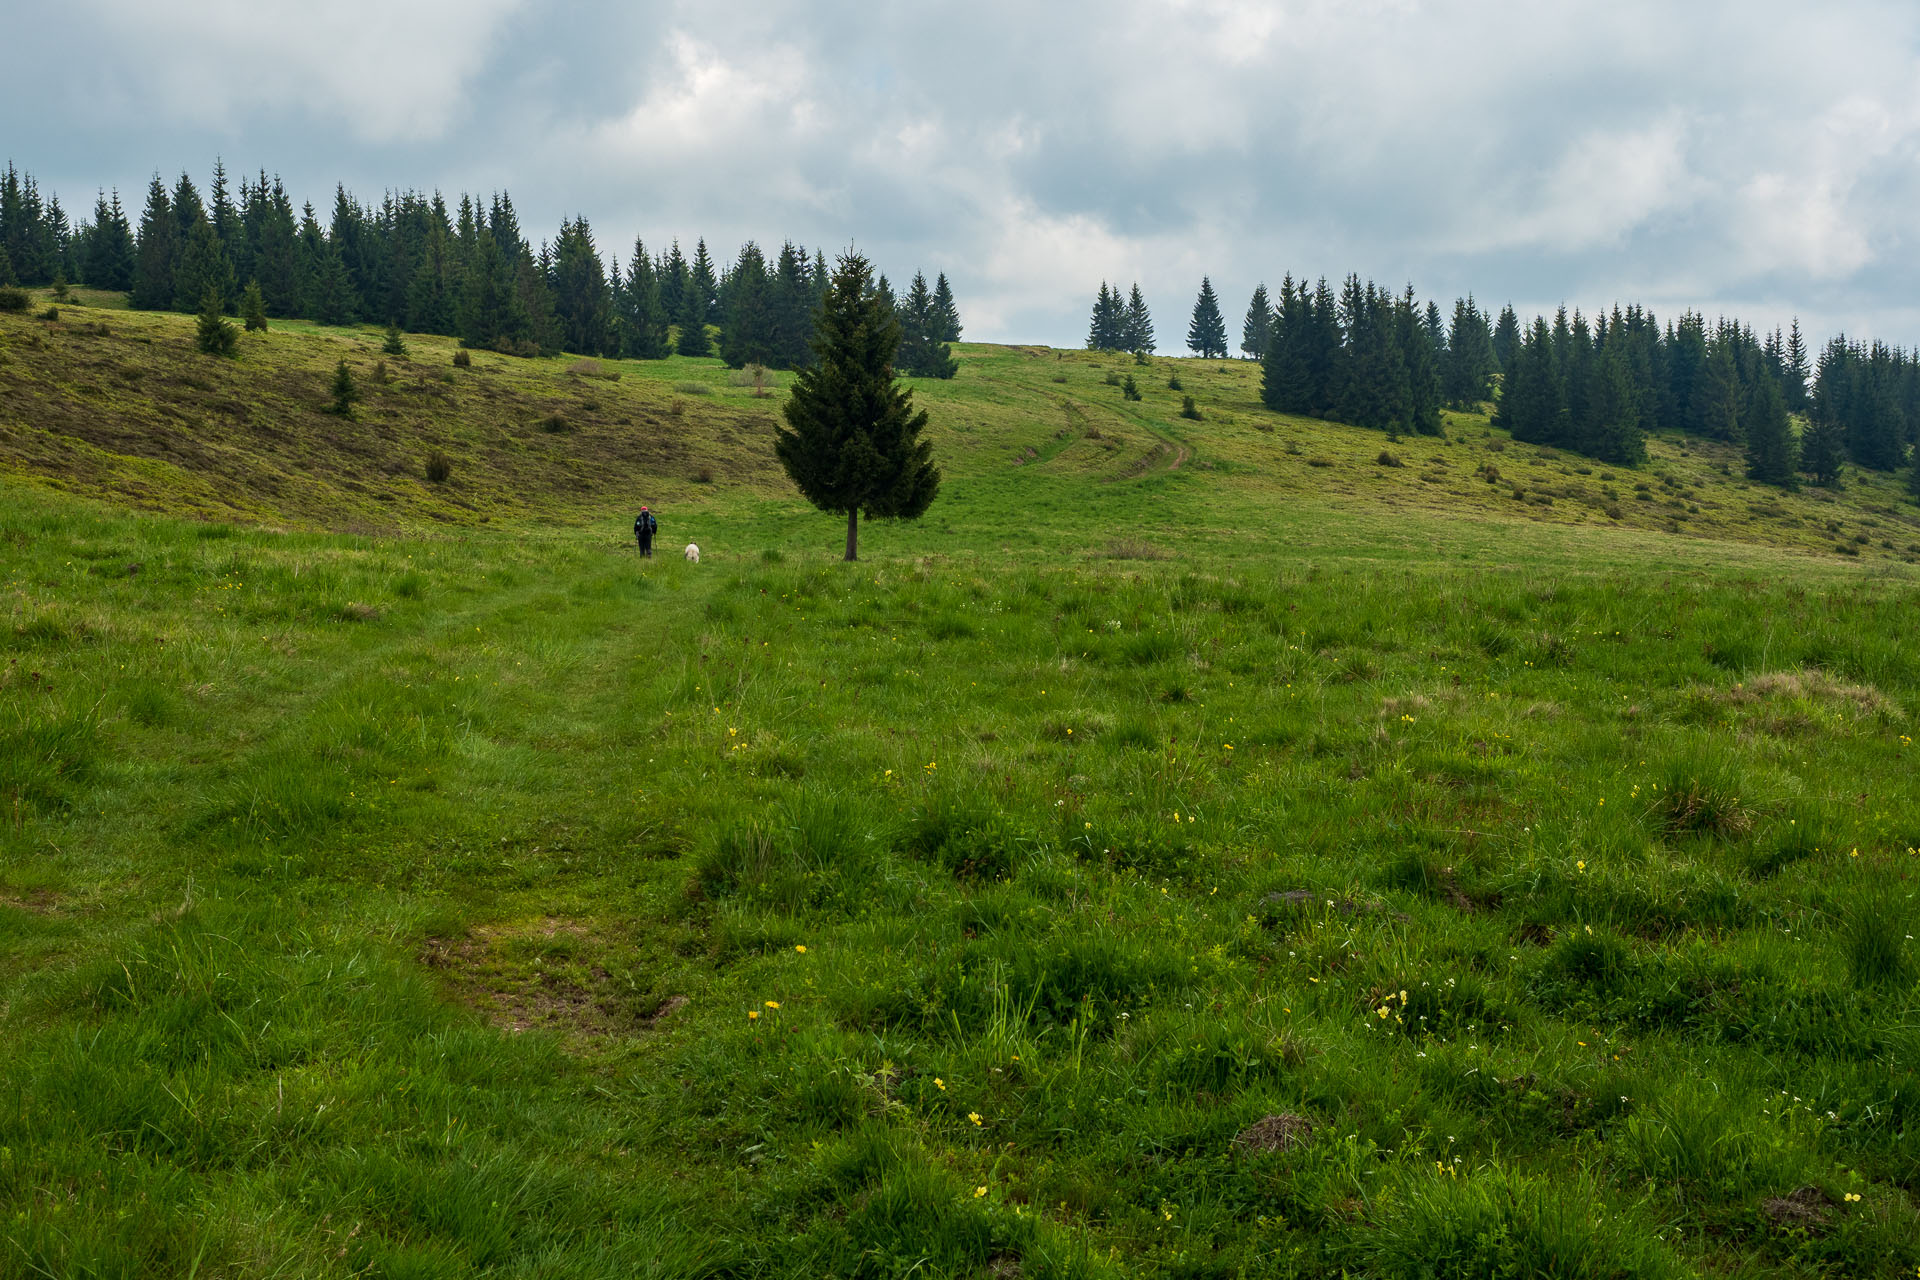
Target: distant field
column 1274, row 864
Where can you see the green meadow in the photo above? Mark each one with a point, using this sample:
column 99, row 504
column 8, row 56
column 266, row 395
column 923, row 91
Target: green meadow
column 1244, row 846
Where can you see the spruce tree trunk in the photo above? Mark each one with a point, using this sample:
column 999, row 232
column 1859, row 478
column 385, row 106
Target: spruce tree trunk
column 853, row 533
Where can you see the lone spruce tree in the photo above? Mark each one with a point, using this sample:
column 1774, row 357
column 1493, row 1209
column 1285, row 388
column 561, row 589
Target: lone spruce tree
column 852, row 441
column 1207, row 334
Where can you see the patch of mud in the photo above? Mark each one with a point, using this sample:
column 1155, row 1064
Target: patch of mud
column 1807, row 1207
column 542, row 975
column 37, row 902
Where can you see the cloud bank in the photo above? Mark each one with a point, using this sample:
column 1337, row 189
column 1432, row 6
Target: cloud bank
column 1755, row 158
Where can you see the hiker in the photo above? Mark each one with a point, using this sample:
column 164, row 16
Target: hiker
column 644, row 527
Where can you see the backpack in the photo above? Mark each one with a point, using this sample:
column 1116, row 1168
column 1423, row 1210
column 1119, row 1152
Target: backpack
column 651, row 526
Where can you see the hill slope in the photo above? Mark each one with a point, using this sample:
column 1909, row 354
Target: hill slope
column 1170, row 857
column 120, row 405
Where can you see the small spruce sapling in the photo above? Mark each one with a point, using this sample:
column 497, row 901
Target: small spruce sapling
column 1187, row 409
column 395, row 345
column 344, row 391
column 1173, row 382
column 253, row 308
column 1130, row 389
column 214, row 335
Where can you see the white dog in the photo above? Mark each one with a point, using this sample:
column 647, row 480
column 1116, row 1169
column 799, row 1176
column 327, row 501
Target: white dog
column 693, row 553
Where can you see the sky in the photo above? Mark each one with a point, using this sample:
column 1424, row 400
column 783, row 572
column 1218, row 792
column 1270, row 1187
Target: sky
column 1754, row 158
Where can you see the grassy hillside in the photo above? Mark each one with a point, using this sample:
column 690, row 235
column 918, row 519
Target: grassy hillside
column 119, row 404
column 1238, row 867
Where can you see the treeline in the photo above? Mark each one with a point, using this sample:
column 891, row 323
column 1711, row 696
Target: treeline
column 1372, row 358
column 467, row 272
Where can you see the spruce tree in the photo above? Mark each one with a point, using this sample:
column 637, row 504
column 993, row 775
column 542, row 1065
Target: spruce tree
column 1532, row 407
column 490, row 313
column 111, row 253
column 1506, row 339
column 343, row 389
column 1136, row 325
column 277, row 255
column 1615, row 434
column 1207, row 332
column 433, row 293
column 253, row 308
column 581, row 304
column 203, row 266
column 153, row 267
column 1103, row 332
column 1469, row 363
column 643, row 320
column 821, row 279
column 693, row 317
column 672, row 270
column 1286, row 374
column 1770, row 443
column 922, row 353
column 214, row 334
column 1822, row 451
column 1794, row 370
column 394, row 343
column 946, row 316
column 852, row 440
column 748, row 336
column 699, row 302
column 1423, row 361
column 330, row 291
column 1714, row 404
column 792, row 308
column 1255, row 329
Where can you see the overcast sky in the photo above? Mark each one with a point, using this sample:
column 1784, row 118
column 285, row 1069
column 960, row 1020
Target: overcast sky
column 1752, row 157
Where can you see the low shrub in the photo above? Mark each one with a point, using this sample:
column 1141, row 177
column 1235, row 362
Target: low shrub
column 461, row 360
column 439, row 467
column 1387, row 459
column 12, row 299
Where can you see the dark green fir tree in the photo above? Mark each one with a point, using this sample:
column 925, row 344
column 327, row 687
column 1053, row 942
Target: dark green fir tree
column 1822, row 451
column 643, row 318
column 852, row 442
column 1207, row 331
column 946, row 316
column 1770, row 444
column 1136, row 325
column 1255, row 329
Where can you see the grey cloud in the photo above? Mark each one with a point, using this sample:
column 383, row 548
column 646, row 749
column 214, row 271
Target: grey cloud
column 1753, row 157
